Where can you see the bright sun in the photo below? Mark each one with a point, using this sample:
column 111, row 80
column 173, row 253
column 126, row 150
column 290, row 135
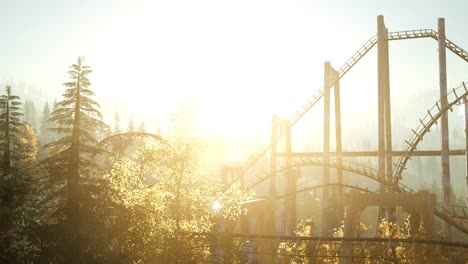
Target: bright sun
column 236, row 72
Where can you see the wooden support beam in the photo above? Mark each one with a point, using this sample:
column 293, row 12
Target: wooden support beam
column 465, row 102
column 291, row 181
column 273, row 153
column 388, row 110
column 339, row 148
column 445, row 158
column 381, row 43
column 326, row 148
column 416, row 153
column 273, row 167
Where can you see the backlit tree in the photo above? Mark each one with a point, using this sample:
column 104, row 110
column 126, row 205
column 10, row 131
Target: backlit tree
column 10, row 108
column 77, row 118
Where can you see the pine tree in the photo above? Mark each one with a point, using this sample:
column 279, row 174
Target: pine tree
column 10, row 124
column 44, row 131
column 103, row 133
column 131, row 125
column 54, row 105
column 28, row 146
column 29, row 110
column 48, row 148
column 142, row 127
column 77, row 117
column 9, row 129
column 77, row 120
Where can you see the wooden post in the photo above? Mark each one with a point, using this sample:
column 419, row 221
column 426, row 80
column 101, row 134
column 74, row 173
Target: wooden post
column 273, row 154
column 388, row 111
column 339, row 149
column 350, row 223
column 381, row 37
column 291, row 181
column 465, row 101
column 382, row 43
column 445, row 158
column 326, row 149
column 388, row 125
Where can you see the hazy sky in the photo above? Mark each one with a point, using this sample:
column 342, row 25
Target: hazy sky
column 237, row 61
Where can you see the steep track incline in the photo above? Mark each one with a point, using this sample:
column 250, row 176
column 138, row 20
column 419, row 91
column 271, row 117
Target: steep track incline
column 425, row 124
column 345, row 68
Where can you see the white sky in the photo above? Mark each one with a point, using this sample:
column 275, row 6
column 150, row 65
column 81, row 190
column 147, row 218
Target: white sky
column 238, row 62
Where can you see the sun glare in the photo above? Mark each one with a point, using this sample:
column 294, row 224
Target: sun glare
column 217, row 205
column 232, row 73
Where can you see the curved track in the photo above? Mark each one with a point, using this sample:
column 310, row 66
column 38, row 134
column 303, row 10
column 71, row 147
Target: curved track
column 425, row 124
column 352, row 167
column 345, row 68
column 418, row 134
column 348, row 166
column 120, row 142
column 458, row 211
column 344, row 186
column 457, row 216
column 130, row 135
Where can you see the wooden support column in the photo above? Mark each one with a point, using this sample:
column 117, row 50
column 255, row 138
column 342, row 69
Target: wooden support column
column 351, row 221
column 465, row 102
column 291, row 181
column 381, row 76
column 445, row 158
column 339, row 148
column 326, row 149
column 388, row 112
column 382, row 55
column 273, row 154
column 391, row 213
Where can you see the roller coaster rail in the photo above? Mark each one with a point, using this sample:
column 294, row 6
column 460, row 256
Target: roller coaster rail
column 425, row 124
column 455, row 216
column 348, row 166
column 345, row 68
column 130, row 135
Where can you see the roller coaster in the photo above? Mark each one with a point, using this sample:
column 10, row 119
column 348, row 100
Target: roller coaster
column 455, row 215
column 390, row 180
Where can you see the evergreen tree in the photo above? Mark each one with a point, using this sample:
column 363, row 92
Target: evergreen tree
column 44, row 131
column 54, row 105
column 103, row 133
column 29, row 110
column 142, row 127
column 18, row 147
column 28, row 146
column 9, row 129
column 117, row 127
column 77, row 119
column 50, row 136
column 131, row 125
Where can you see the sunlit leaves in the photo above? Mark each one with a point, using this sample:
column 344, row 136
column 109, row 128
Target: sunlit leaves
column 160, row 218
column 303, row 251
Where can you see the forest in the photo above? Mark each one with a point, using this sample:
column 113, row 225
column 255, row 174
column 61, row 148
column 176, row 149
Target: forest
column 65, row 198
column 60, row 203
